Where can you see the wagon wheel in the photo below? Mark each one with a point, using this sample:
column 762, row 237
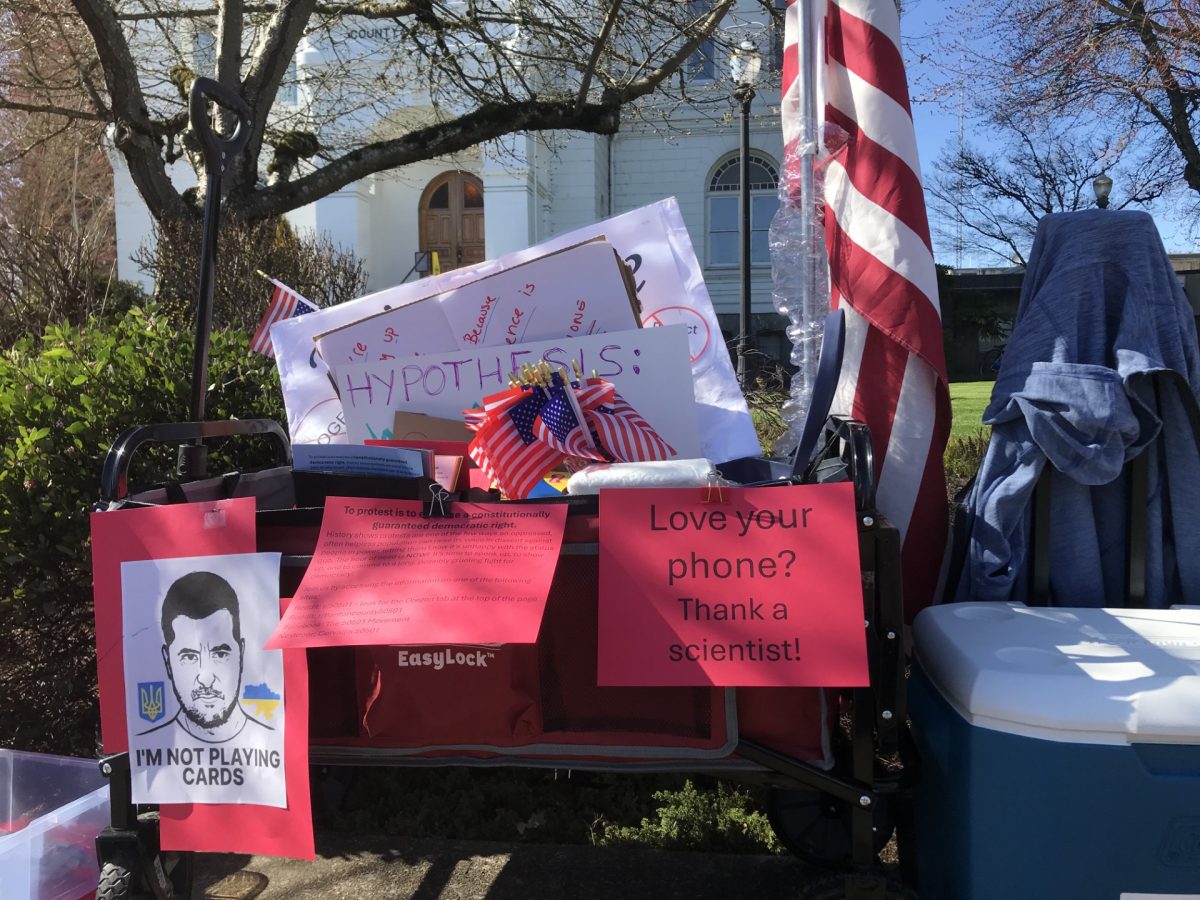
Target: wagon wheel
column 116, row 880
column 120, row 881
column 867, row 886
column 816, row 827
column 179, row 868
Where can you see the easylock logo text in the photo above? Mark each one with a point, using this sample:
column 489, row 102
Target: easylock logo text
column 440, row 659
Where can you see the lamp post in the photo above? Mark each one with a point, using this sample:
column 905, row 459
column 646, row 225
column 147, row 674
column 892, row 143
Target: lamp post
column 1102, row 186
column 744, row 64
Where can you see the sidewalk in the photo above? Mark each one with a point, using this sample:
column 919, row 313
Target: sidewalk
column 349, row 867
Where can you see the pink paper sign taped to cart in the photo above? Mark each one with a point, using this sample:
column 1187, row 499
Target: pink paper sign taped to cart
column 382, row 574
column 185, row 529
column 761, row 589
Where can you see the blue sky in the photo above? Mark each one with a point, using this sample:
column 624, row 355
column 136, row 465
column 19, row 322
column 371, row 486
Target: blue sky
column 937, row 122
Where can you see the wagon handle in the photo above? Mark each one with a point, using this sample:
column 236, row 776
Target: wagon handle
column 829, row 369
column 217, row 150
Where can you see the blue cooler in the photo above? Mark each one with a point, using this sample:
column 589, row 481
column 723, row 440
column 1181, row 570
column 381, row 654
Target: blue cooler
column 1060, row 753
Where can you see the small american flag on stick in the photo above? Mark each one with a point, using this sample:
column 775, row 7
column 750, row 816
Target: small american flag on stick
column 624, row 433
column 507, row 450
column 558, row 424
column 285, row 303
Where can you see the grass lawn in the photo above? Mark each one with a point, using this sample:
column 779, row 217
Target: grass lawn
column 968, row 400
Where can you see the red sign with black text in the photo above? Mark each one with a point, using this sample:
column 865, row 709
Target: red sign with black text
column 737, row 587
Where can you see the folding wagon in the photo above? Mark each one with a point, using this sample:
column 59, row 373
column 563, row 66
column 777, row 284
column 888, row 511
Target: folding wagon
column 838, row 764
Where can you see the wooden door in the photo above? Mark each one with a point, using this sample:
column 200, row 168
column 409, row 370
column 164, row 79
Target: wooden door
column 451, row 219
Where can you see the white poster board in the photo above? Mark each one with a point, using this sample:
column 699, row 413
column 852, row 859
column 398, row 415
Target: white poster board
column 652, row 240
column 648, row 366
column 204, row 701
column 578, row 291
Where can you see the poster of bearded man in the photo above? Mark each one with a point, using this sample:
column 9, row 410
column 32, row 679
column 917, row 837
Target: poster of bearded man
column 204, row 700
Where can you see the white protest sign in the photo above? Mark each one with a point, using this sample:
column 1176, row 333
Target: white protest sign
column 419, row 327
column 204, row 701
column 577, row 291
column 672, row 290
column 652, row 240
column 648, row 366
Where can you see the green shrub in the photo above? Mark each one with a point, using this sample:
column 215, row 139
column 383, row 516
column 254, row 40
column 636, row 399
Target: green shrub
column 539, row 806
column 723, row 817
column 63, row 400
column 765, row 409
column 964, row 453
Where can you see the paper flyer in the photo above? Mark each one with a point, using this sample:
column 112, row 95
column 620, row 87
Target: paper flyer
column 154, row 532
column 382, row 574
column 354, row 459
column 205, row 701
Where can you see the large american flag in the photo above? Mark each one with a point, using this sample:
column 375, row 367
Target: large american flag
column 881, row 267
column 284, row 304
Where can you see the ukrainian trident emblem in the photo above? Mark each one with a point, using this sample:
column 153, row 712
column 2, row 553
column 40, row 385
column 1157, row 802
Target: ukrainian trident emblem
column 150, row 700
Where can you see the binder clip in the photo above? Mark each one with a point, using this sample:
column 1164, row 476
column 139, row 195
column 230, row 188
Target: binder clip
column 438, row 505
column 714, row 491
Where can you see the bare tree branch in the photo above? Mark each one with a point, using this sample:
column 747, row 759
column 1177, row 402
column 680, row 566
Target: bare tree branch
column 435, row 140
column 67, row 113
column 1128, row 61
column 133, row 133
column 366, row 10
column 382, row 84
column 589, row 71
column 990, row 202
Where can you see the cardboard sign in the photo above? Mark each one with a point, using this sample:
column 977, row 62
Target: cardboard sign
column 649, row 367
column 574, row 292
column 761, row 590
column 382, row 574
column 417, row 327
column 205, row 702
column 408, row 426
column 654, row 243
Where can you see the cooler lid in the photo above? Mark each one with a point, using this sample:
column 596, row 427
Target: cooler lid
column 1098, row 676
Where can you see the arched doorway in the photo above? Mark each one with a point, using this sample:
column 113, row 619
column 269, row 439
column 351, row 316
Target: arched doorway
column 451, row 219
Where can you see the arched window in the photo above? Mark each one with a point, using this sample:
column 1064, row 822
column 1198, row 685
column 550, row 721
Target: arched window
column 724, row 211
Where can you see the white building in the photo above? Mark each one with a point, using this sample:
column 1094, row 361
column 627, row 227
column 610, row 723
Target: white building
column 507, row 195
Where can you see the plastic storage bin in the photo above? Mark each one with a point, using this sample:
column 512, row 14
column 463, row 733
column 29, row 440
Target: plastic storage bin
column 51, row 809
column 1060, row 753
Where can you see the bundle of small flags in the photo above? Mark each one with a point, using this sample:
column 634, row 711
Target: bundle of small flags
column 546, row 419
